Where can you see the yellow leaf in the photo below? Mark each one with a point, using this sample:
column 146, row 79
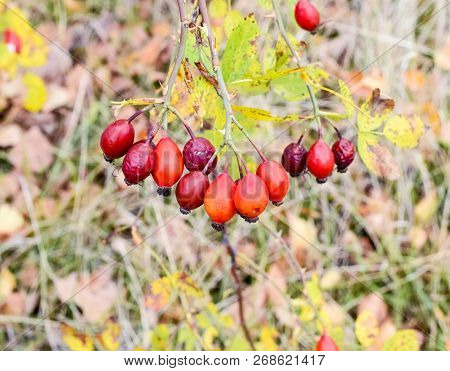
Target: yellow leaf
column 109, row 338
column 267, row 342
column 76, row 340
column 323, row 323
column 425, row 209
column 259, row 114
column 36, row 92
column 209, row 336
column 366, row 328
column 11, row 220
column 7, row 284
column 232, row 19
column 402, row 132
column 186, row 284
column 312, row 289
column 347, row 101
column 374, row 112
column 307, row 312
column 403, row 340
column 160, row 338
column 376, row 156
column 218, row 8
column 158, row 294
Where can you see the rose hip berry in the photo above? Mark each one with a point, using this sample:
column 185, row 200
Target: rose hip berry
column 197, row 152
column 138, row 162
column 344, row 154
column 12, row 41
column 276, row 180
column 191, row 191
column 117, row 139
column 306, row 15
column 326, row 343
column 168, row 166
column 251, row 197
column 219, row 201
column 294, row 159
column 320, row 161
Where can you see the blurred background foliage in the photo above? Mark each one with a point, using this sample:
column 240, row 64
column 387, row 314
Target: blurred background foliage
column 363, row 257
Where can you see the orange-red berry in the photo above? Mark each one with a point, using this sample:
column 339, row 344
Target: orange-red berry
column 276, row 180
column 320, row 161
column 326, row 343
column 306, row 15
column 117, row 139
column 138, row 162
column 251, row 197
column 219, row 201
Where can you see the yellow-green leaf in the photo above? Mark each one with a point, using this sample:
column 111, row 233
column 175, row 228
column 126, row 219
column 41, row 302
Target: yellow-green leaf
column 259, row 114
column 347, row 101
column 36, row 92
column 232, row 20
column 374, row 112
column 403, row 340
column 109, row 337
column 376, row 156
column 160, row 338
column 267, row 341
column 366, row 328
column 313, row 290
column 402, row 132
column 75, row 340
column 218, row 8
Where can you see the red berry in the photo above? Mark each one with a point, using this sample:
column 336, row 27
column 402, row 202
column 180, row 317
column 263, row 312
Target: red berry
column 344, row 154
column 276, row 180
column 12, row 41
column 219, row 203
column 197, row 152
column 306, row 15
column 168, row 165
column 251, row 197
column 191, row 191
column 138, row 162
column 117, row 139
column 294, row 159
column 326, row 343
column 320, row 161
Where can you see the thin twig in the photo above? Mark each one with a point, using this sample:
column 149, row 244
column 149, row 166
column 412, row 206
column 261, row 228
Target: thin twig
column 237, row 282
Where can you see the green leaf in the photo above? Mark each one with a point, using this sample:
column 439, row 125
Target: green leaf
column 376, row 156
column 36, row 92
column 239, row 60
column 403, row 340
column 348, row 102
column 402, row 132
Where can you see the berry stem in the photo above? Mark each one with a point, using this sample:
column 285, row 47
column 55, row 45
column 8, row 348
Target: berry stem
column 247, row 135
column 183, row 121
column 138, row 113
column 300, row 139
column 279, row 20
column 234, row 273
column 334, row 127
column 213, row 157
column 181, row 47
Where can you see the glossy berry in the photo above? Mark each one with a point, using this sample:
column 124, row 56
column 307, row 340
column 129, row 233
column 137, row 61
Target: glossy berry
column 306, row 15
column 191, row 191
column 138, row 162
column 12, row 41
column 168, row 166
column 326, row 343
column 117, row 139
column 294, row 159
column 251, row 197
column 344, row 154
column 219, row 201
column 276, row 180
column 320, row 161
column 197, row 152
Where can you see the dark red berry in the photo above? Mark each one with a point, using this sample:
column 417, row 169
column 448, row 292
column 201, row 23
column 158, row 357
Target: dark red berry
column 12, row 41
column 191, row 191
column 219, row 201
column 117, row 139
column 306, row 15
column 251, row 197
column 138, row 162
column 197, row 152
column 326, row 343
column 276, row 180
column 294, row 159
column 344, row 154
column 320, row 161
column 168, row 165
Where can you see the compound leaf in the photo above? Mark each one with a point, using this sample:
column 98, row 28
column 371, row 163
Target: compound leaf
column 402, row 132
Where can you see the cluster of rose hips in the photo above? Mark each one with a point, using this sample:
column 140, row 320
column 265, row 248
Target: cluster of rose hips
column 12, row 41
column 320, row 159
column 306, row 15
column 224, row 197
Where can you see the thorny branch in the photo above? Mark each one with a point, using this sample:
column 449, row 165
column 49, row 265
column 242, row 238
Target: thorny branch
column 237, row 281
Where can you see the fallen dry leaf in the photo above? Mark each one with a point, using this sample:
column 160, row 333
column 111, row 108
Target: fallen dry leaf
column 15, row 304
column 33, row 152
column 94, row 293
column 442, row 57
column 11, row 221
column 375, row 304
column 10, row 135
column 386, row 330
